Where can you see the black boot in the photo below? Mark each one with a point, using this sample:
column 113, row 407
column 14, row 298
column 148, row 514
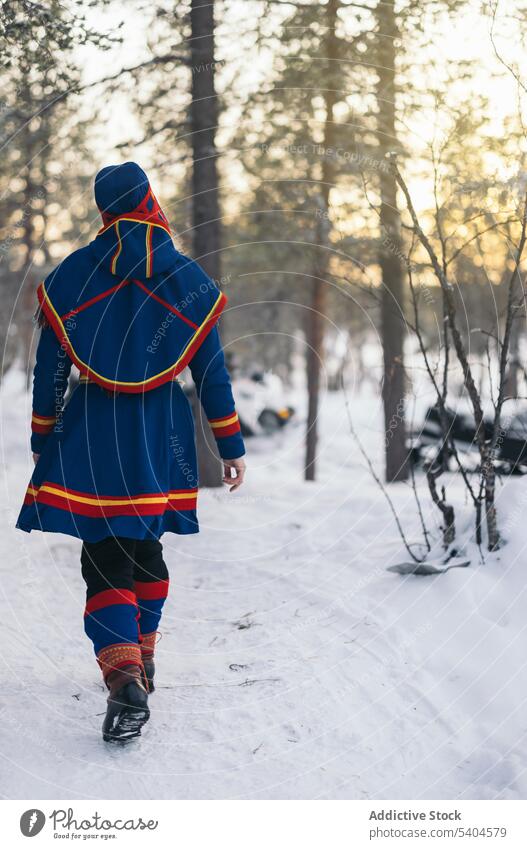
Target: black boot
column 127, row 709
column 148, row 645
column 150, row 670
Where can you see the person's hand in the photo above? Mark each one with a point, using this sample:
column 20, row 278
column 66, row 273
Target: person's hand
column 239, row 468
column 36, row 458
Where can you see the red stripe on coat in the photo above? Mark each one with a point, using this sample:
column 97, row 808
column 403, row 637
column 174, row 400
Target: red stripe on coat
column 39, row 428
column 94, row 300
column 228, row 430
column 63, row 502
column 106, row 511
column 69, row 491
column 165, row 304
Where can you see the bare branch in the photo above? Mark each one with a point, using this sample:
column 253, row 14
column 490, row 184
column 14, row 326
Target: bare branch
column 155, row 60
column 440, row 393
column 497, row 53
column 477, row 235
column 450, row 308
column 377, row 480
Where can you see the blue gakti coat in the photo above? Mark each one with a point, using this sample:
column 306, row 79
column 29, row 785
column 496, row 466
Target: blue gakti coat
column 131, row 313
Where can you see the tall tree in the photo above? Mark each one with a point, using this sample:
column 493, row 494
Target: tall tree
column 390, row 250
column 394, row 26
column 206, row 223
column 298, row 152
column 316, row 317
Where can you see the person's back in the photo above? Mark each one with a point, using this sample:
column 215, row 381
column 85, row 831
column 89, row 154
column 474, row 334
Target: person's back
column 117, row 466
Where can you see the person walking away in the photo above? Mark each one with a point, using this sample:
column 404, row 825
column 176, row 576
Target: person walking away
column 116, row 466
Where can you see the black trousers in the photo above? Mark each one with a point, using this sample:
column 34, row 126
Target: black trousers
column 126, row 587
column 118, row 562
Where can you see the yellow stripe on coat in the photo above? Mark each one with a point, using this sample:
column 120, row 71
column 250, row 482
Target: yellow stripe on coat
column 119, row 248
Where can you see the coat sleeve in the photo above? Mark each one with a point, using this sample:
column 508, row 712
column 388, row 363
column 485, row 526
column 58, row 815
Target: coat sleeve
column 214, row 391
column 50, row 379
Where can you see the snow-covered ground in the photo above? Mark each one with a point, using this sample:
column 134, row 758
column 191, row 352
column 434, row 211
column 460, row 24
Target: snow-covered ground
column 292, row 664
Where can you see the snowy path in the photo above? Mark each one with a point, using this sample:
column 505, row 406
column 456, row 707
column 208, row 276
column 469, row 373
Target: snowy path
column 292, row 665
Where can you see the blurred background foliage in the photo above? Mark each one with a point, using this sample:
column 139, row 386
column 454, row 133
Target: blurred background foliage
column 303, row 101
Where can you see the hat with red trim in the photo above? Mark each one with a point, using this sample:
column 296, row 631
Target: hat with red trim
column 129, row 308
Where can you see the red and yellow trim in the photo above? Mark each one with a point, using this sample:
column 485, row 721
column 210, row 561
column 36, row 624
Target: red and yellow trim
column 119, row 655
column 130, row 386
column 105, row 506
column 137, row 220
column 42, row 424
column 225, row 426
column 149, row 256
column 148, row 644
column 118, row 250
column 146, row 212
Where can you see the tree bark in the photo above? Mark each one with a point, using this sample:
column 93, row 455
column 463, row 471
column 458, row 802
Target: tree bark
column 493, row 535
column 28, row 300
column 315, row 343
column 317, row 312
column 206, row 225
column 514, row 367
column 390, row 253
column 447, row 510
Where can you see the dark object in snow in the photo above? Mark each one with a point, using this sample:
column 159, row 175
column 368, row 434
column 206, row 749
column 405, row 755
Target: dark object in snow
column 127, row 709
column 427, row 567
column 511, row 446
column 261, row 403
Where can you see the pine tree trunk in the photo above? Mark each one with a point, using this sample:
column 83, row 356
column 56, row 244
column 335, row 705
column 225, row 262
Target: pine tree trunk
column 392, row 296
column 315, row 347
column 28, row 300
column 513, row 371
column 317, row 313
column 206, row 235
